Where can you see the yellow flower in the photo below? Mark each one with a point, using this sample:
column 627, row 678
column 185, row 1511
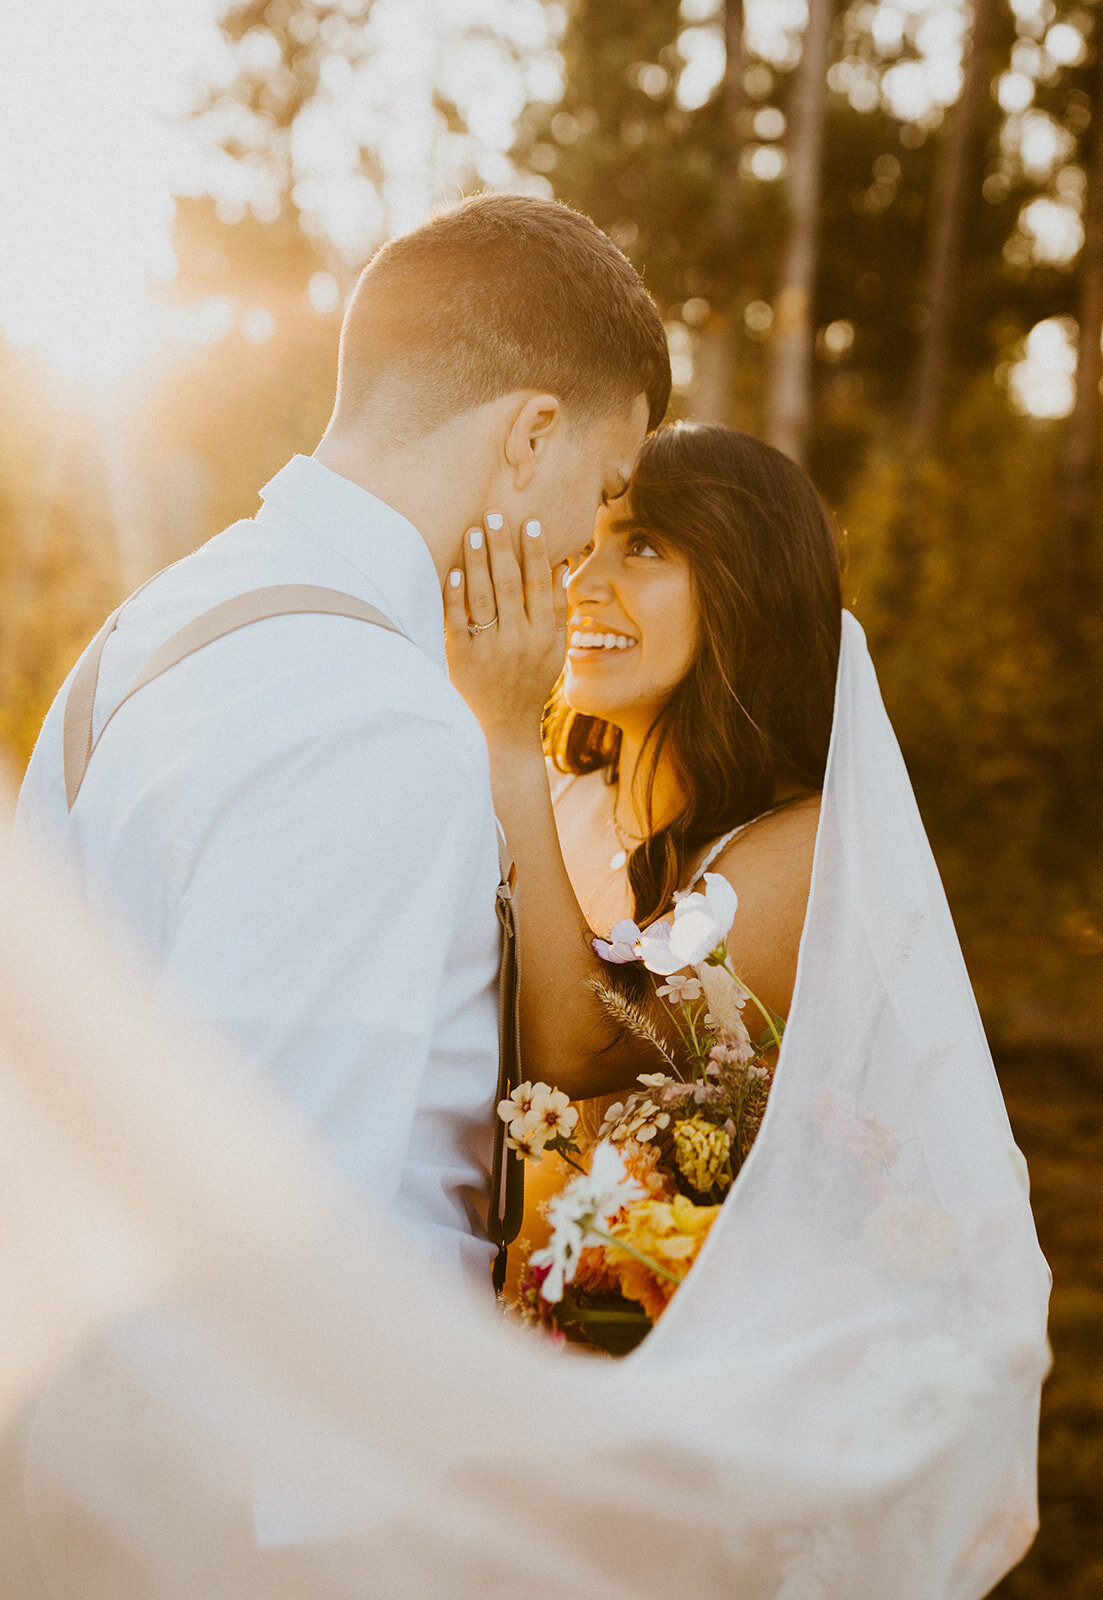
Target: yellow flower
column 701, row 1150
column 670, row 1234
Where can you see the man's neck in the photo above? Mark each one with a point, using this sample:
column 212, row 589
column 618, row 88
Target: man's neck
column 411, row 483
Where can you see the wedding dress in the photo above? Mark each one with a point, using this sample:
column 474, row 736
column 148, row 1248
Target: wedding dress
column 219, row 1379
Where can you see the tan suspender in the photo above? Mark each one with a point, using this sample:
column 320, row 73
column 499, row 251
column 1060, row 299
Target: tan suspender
column 507, row 1195
column 280, row 600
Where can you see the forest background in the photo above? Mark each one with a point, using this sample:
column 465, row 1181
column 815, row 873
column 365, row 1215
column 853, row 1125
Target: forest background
column 875, row 231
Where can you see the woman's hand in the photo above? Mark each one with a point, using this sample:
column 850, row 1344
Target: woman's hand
column 506, row 628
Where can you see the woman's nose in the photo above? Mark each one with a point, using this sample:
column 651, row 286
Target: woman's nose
column 589, row 580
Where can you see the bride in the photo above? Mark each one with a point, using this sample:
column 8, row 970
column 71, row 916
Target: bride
column 688, row 733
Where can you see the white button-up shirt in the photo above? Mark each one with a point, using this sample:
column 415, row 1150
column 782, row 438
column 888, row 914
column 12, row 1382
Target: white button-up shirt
column 296, row 824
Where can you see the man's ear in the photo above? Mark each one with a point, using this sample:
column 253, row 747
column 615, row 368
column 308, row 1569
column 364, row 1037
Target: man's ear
column 532, row 425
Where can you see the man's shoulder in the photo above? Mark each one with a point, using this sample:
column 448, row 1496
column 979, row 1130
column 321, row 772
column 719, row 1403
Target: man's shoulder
column 309, row 654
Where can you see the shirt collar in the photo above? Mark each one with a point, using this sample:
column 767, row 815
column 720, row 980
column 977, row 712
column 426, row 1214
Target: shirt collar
column 382, row 544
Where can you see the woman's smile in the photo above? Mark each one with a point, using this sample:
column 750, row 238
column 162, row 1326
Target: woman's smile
column 589, row 641
column 631, row 621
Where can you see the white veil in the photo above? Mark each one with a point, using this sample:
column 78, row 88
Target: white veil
column 216, row 1379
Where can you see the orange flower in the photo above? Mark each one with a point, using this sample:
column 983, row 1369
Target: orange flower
column 642, row 1161
column 594, row 1274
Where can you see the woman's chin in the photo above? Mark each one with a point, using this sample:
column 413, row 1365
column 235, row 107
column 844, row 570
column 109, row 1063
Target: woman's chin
column 596, row 691
column 585, row 702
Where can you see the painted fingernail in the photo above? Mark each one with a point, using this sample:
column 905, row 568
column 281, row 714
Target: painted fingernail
column 476, row 538
column 495, row 520
column 533, row 529
column 455, row 577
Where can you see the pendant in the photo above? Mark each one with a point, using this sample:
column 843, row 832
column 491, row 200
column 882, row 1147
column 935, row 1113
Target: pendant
column 617, row 861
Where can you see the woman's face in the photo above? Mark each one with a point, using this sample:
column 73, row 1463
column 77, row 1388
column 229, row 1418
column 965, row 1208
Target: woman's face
column 631, row 624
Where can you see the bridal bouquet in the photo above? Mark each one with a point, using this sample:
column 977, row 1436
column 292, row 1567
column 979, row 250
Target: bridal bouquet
column 625, row 1232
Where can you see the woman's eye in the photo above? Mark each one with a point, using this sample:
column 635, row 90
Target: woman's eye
column 576, row 561
column 638, row 545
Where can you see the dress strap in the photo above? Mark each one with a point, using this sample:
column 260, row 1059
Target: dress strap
column 717, row 848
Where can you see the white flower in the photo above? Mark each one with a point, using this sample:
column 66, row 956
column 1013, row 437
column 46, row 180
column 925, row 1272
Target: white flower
column 561, row 1255
column 726, row 998
column 653, row 949
column 589, row 1202
column 702, row 921
column 650, row 1080
column 647, row 1122
column 551, row 1114
column 680, row 991
column 527, row 1144
column 519, row 1104
column 639, row 1118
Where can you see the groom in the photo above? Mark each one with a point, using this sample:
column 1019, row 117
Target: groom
column 295, row 820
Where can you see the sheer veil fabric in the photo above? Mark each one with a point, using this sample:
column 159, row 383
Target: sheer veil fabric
column 217, row 1378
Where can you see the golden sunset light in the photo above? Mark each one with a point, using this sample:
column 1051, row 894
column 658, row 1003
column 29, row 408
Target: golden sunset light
column 333, row 334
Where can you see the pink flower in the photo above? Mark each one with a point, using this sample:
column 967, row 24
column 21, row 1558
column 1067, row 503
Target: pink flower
column 736, row 1055
column 620, row 947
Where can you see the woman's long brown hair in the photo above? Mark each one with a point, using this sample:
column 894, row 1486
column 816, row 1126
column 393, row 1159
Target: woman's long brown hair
column 752, row 717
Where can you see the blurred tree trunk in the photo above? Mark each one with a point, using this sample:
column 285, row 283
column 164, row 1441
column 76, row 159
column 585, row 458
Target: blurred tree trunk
column 954, row 187
column 1079, row 462
column 714, row 384
column 789, row 384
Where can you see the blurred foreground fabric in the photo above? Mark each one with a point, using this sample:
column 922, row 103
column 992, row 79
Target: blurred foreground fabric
column 217, row 1378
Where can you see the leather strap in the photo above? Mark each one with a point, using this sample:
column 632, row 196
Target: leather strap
column 507, row 1190
column 507, row 1173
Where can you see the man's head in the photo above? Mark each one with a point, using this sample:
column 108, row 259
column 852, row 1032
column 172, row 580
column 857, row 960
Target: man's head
column 513, row 330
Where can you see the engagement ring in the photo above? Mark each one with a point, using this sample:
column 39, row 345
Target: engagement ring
column 480, row 627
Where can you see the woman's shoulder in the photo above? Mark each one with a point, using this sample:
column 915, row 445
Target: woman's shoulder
column 781, row 841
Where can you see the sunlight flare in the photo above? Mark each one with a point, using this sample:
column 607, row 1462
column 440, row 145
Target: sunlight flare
column 85, row 164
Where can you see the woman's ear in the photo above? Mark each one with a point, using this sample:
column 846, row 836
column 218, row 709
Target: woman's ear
column 532, row 425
